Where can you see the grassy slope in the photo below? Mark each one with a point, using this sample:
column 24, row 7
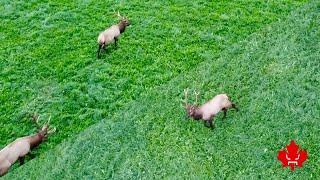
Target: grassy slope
column 274, row 76
column 48, row 55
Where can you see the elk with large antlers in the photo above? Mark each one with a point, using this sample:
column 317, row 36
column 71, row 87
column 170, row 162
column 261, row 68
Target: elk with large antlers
column 112, row 33
column 209, row 110
column 19, row 148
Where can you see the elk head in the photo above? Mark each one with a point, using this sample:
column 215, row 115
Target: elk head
column 43, row 130
column 190, row 109
column 123, row 20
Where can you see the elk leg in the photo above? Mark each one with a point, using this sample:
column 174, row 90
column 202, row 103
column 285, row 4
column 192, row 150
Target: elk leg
column 104, row 47
column 205, row 123
column 99, row 49
column 234, row 106
column 21, row 159
column 115, row 42
column 4, row 168
column 224, row 113
column 4, row 171
column 32, row 156
column 211, row 123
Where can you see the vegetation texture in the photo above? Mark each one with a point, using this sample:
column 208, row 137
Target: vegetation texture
column 133, row 94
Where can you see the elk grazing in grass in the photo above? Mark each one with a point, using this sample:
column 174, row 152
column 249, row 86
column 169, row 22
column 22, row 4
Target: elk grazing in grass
column 210, row 109
column 112, row 34
column 19, row 148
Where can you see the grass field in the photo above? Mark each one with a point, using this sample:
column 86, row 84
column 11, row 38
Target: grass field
column 133, row 94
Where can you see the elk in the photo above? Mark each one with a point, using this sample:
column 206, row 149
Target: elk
column 112, row 34
column 19, row 148
column 210, row 109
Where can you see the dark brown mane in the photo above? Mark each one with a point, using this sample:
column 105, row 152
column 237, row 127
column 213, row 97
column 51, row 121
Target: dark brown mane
column 194, row 112
column 122, row 26
column 36, row 139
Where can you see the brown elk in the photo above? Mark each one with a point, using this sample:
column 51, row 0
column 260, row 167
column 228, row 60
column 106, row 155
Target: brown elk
column 19, row 148
column 210, row 109
column 112, row 34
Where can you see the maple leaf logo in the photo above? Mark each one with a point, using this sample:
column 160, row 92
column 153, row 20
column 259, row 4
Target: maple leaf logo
column 292, row 156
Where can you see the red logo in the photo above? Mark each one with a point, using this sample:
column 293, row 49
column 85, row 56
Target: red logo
column 292, row 156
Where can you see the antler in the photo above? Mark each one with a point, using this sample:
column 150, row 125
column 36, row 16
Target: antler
column 48, row 122
column 35, row 118
column 118, row 15
column 186, row 96
column 44, row 127
column 197, row 95
column 50, row 130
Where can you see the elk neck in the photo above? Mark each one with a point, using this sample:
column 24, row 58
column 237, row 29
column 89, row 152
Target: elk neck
column 122, row 26
column 36, row 139
column 197, row 114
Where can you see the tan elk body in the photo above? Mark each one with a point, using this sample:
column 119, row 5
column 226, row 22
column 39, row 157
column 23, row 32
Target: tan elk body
column 112, row 34
column 19, row 148
column 210, row 109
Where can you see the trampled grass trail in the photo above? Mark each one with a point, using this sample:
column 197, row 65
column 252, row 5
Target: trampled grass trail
column 273, row 76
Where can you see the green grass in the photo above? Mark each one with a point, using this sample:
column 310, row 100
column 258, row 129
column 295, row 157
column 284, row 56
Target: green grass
column 273, row 75
column 48, row 50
